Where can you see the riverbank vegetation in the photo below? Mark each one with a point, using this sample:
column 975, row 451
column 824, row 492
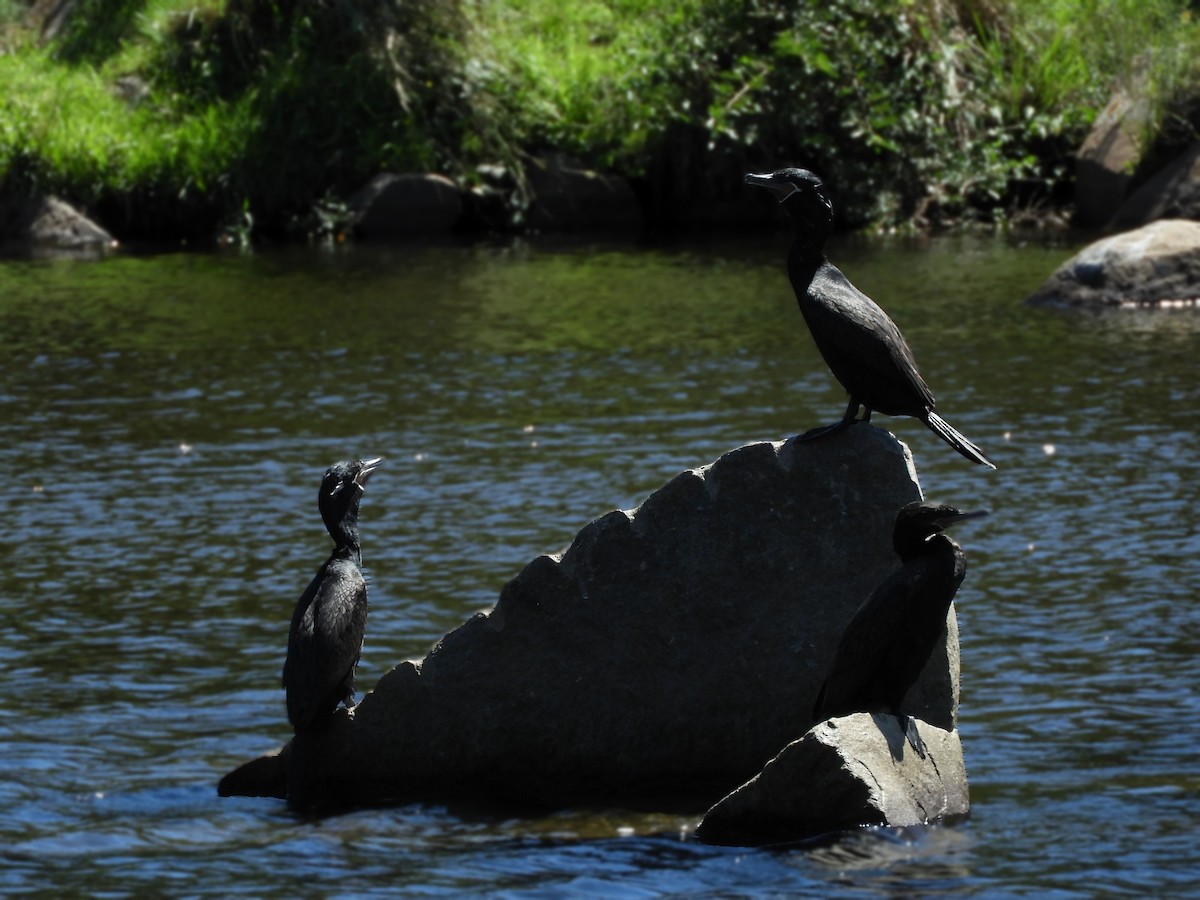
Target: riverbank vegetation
column 185, row 117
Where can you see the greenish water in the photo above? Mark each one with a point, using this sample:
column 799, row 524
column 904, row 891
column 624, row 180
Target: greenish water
column 167, row 419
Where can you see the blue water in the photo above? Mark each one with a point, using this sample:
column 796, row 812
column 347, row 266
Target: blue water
column 167, row 419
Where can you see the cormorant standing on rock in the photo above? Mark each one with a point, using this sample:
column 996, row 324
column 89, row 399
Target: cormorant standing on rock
column 889, row 639
column 327, row 627
column 862, row 346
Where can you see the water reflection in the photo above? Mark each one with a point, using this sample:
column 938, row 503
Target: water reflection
column 166, row 417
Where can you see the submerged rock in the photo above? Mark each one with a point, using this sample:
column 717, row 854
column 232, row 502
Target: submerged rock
column 844, row 773
column 671, row 649
column 1155, row 265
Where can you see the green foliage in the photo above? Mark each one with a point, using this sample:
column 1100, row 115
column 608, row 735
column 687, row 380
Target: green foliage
column 193, row 116
column 257, row 109
column 918, row 109
column 96, row 30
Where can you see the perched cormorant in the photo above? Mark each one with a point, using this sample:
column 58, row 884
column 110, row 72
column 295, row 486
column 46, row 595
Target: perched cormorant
column 327, row 627
column 862, row 346
column 890, row 637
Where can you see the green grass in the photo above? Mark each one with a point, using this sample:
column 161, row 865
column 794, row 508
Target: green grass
column 263, row 111
column 1067, row 56
column 575, row 75
column 251, row 108
column 65, row 131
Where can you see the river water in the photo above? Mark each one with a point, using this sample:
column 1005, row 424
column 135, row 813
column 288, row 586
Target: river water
column 167, row 419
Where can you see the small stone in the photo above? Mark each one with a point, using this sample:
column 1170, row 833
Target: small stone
column 845, row 773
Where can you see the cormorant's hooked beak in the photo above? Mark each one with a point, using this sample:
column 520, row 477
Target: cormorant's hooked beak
column 779, row 187
column 368, row 467
column 949, row 519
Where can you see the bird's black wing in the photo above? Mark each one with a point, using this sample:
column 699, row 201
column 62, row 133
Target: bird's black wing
column 862, row 345
column 325, row 641
column 859, row 678
column 342, row 620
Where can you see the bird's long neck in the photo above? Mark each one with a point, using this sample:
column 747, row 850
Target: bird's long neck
column 345, row 536
column 911, row 545
column 804, row 258
column 807, row 252
column 351, row 552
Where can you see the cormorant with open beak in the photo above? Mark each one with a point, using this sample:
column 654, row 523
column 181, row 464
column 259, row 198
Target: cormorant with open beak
column 326, row 636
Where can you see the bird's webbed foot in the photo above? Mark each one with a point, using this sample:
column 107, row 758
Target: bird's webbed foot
column 849, row 418
column 824, row 430
column 913, row 736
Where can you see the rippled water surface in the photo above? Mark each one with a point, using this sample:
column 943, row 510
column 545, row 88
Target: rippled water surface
column 167, row 418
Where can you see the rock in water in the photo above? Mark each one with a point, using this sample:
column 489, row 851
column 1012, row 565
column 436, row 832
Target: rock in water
column 846, row 772
column 1158, row 265
column 672, row 649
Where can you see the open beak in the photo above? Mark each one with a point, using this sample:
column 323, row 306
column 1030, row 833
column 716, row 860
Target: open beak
column 368, row 467
column 781, row 189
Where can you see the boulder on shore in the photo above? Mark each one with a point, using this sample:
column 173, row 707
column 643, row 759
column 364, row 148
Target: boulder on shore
column 46, row 224
column 405, row 205
column 844, row 773
column 1173, row 192
column 1105, row 162
column 570, row 198
column 671, row 650
column 1155, row 265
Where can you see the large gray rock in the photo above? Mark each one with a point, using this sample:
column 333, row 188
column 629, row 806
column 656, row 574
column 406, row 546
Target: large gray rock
column 1157, row 264
column 1105, row 162
column 405, row 205
column 844, row 773
column 674, row 648
column 47, row 224
column 1172, row 193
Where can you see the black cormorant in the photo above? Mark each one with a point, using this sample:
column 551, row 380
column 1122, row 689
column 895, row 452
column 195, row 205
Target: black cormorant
column 327, row 627
column 862, row 346
column 890, row 637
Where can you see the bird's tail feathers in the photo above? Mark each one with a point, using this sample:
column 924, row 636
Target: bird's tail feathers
column 955, row 439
